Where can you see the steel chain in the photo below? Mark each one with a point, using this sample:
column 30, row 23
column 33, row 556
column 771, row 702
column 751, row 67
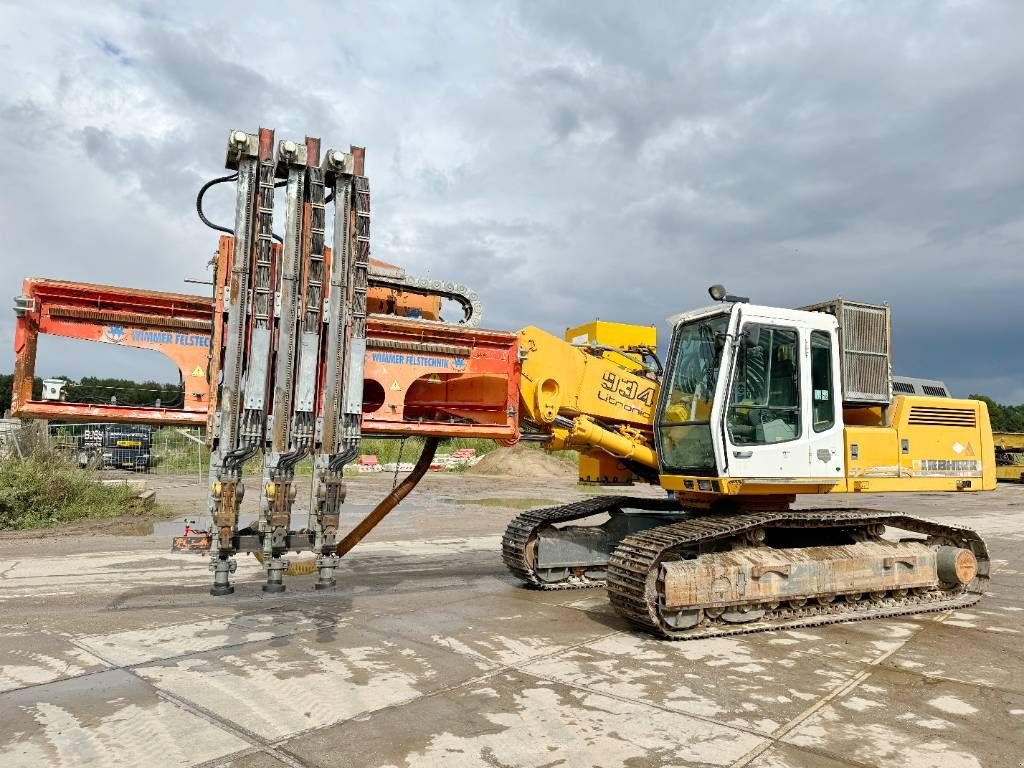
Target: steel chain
column 398, row 463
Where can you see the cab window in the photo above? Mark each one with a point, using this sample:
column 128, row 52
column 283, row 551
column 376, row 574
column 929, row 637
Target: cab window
column 684, row 427
column 764, row 404
column 823, row 409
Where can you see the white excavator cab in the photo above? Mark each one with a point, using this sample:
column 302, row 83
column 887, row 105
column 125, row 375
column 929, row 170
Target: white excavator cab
column 752, row 392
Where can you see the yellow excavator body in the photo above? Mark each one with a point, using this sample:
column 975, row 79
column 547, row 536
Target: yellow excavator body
column 917, row 448
column 602, row 403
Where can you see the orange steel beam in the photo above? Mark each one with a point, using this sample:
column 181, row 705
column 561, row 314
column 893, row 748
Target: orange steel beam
column 419, row 378
column 176, row 325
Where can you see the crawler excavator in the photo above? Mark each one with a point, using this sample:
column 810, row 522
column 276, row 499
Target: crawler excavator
column 303, row 348
column 757, row 405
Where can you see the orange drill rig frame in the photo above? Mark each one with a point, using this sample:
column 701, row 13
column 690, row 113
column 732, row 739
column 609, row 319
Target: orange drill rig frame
column 302, row 348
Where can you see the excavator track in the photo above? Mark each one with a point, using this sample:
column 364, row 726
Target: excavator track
column 520, row 534
column 634, row 568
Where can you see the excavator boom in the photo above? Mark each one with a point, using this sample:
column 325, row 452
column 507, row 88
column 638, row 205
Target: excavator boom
column 588, row 395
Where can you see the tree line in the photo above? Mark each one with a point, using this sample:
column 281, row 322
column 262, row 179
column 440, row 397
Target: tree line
column 90, row 389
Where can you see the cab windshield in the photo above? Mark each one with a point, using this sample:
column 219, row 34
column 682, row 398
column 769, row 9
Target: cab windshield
column 684, row 426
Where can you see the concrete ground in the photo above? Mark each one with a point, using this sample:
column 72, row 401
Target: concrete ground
column 113, row 653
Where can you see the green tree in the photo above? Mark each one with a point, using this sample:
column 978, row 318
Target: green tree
column 6, row 389
column 91, row 389
column 1005, row 418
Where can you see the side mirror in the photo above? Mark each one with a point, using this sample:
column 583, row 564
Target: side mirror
column 752, row 333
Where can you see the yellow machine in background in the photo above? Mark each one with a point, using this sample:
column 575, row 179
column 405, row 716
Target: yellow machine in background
column 1009, row 456
column 632, row 347
column 756, row 406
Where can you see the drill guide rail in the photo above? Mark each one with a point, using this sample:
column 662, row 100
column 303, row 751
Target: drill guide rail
column 318, row 362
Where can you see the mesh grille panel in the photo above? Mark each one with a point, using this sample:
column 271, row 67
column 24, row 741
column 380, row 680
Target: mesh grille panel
column 864, row 341
column 865, row 378
column 865, row 331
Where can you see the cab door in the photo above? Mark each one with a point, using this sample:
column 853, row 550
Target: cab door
column 824, row 412
column 764, row 417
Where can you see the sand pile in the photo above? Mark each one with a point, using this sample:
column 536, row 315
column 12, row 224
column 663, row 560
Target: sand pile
column 523, row 461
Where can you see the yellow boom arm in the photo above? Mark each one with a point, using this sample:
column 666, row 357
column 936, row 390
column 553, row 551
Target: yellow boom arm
column 593, row 397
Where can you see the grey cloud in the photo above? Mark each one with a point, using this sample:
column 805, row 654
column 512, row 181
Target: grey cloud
column 572, row 162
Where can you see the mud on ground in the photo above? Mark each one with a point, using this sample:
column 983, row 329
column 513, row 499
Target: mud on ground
column 525, row 462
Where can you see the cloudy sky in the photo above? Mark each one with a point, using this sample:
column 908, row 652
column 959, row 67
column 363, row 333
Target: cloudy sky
column 566, row 160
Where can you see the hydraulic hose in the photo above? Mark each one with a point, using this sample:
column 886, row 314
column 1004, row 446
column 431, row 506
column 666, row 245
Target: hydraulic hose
column 218, row 227
column 199, row 202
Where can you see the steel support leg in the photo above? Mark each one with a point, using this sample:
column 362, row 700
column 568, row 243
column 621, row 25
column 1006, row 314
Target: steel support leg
column 277, row 511
column 226, row 493
column 325, row 567
column 325, row 518
column 222, row 568
column 276, row 567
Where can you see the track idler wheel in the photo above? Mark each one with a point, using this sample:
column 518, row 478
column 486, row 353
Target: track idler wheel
column 956, row 567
